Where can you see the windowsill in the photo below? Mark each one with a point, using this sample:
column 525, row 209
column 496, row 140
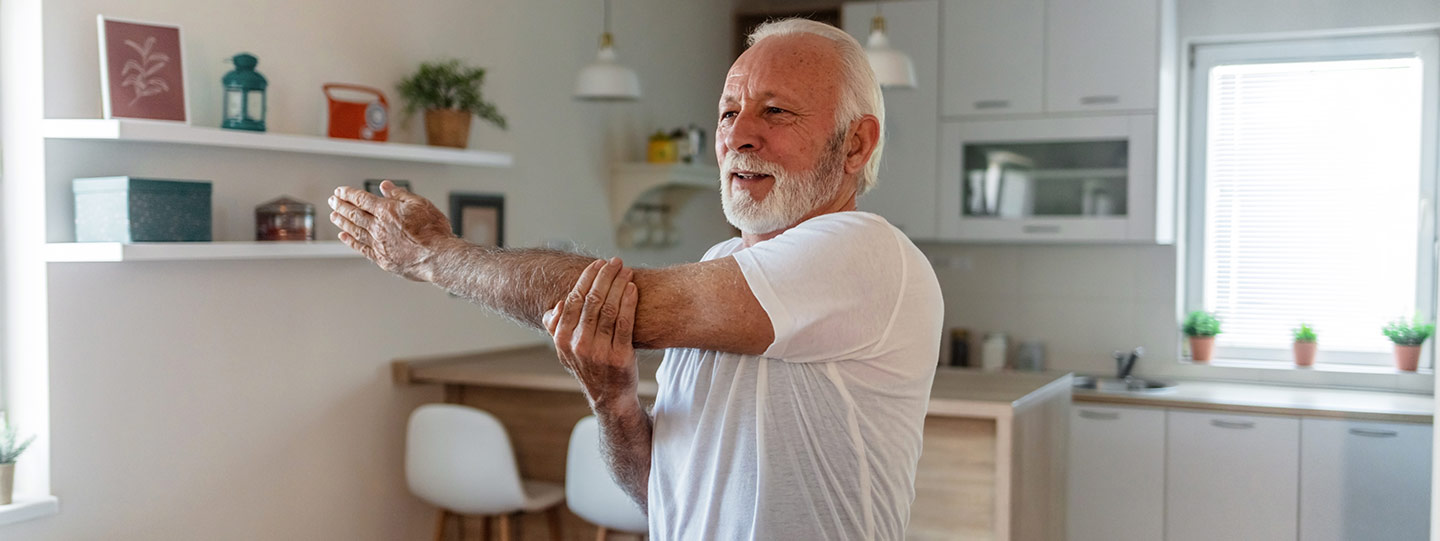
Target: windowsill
column 28, row 508
column 1336, row 368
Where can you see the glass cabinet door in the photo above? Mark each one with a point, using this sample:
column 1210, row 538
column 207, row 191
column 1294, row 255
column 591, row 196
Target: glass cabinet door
column 1051, row 179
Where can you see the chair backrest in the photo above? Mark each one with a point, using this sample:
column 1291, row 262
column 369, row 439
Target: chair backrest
column 459, row 458
column 590, row 492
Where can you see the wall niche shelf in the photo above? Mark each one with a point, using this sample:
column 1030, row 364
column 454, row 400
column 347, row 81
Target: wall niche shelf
column 182, row 134
column 630, row 182
column 114, row 252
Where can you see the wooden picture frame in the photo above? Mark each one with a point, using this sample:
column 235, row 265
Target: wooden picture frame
column 142, row 70
column 478, row 218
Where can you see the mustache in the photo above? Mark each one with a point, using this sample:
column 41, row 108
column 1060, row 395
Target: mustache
column 752, row 163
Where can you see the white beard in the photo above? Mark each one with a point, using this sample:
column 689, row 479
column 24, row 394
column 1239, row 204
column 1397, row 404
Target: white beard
column 791, row 197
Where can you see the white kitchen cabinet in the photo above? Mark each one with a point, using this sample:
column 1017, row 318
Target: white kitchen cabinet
column 993, row 56
column 1101, row 55
column 1364, row 480
column 1116, row 490
column 1062, row 169
column 1231, row 477
column 905, row 191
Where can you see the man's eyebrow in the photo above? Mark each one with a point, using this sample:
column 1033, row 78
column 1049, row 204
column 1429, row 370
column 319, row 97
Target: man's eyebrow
column 726, row 99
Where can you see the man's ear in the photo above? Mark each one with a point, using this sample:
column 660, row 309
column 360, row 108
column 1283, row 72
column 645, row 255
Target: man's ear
column 863, row 137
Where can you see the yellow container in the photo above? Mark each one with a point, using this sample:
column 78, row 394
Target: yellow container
column 663, row 151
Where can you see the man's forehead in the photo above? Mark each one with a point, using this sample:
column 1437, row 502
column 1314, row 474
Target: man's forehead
column 780, row 63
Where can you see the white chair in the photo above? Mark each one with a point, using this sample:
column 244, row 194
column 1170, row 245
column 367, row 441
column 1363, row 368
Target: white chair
column 459, row 459
column 591, row 493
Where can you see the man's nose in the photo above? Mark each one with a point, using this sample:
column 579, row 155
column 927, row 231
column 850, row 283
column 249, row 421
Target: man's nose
column 744, row 134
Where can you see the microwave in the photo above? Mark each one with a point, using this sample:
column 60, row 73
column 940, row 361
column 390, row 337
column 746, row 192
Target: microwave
column 1049, row 179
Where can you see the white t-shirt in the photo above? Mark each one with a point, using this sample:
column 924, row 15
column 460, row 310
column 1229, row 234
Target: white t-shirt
column 818, row 437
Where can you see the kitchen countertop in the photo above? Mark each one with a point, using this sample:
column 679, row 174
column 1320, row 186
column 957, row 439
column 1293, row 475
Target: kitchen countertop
column 1279, row 400
column 956, row 393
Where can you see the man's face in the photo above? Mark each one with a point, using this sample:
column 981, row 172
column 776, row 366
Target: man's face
column 780, row 151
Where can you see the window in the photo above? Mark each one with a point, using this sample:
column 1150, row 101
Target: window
column 1312, row 178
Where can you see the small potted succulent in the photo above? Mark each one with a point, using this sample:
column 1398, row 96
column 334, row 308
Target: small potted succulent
column 449, row 93
column 1201, row 327
column 1408, row 336
column 1304, row 344
column 10, row 449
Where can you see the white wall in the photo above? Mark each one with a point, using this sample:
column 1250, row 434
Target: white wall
column 251, row 400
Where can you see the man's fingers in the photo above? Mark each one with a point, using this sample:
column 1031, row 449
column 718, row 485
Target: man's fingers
column 360, row 233
column 625, row 321
column 359, row 198
column 358, row 246
column 552, row 317
column 392, row 191
column 595, row 297
column 355, row 214
column 605, row 326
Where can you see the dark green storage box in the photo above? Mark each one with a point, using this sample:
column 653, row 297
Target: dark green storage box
column 129, row 209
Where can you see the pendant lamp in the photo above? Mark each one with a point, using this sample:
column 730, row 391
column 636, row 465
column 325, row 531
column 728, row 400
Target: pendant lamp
column 606, row 79
column 893, row 68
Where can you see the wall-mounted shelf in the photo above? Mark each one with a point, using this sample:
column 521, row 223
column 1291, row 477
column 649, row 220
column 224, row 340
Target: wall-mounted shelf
column 631, row 181
column 98, row 252
column 182, row 134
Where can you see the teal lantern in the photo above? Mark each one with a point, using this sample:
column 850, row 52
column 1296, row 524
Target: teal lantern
column 244, row 95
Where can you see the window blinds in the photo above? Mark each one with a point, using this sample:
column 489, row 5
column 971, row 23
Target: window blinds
column 1312, row 200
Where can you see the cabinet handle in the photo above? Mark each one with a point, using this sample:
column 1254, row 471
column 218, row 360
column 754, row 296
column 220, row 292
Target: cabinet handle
column 1374, row 433
column 992, row 104
column 1051, row 229
column 1099, row 415
column 1219, row 423
column 1100, row 100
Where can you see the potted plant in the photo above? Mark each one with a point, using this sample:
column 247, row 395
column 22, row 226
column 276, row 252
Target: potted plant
column 1304, row 344
column 1201, row 327
column 449, row 93
column 10, row 449
column 1408, row 336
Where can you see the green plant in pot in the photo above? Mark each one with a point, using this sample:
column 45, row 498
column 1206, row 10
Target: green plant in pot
column 1305, row 345
column 10, row 449
column 449, row 93
column 1408, row 336
column 1201, row 327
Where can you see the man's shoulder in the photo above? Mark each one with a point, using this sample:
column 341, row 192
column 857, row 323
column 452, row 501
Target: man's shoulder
column 722, row 248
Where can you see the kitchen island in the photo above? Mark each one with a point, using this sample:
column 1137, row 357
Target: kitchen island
column 993, row 464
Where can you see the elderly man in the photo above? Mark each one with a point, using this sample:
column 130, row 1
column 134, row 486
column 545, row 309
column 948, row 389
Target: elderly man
column 799, row 356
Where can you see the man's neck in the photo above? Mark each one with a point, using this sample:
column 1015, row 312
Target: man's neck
column 843, row 203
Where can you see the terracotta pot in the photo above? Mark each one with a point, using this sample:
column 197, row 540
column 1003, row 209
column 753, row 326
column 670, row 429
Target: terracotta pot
column 1407, row 358
column 447, row 128
column 1200, row 348
column 7, row 483
column 1304, row 353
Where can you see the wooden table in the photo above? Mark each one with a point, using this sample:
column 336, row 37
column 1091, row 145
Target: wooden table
column 992, row 465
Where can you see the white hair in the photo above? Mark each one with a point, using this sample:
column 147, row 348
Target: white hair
column 859, row 91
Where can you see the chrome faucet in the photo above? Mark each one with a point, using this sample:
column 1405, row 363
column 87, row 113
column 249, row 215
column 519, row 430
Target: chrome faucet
column 1125, row 362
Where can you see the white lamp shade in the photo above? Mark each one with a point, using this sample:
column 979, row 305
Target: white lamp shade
column 893, row 69
column 607, row 79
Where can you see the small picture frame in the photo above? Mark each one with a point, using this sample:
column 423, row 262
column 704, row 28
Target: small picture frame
column 372, row 185
column 478, row 218
column 142, row 70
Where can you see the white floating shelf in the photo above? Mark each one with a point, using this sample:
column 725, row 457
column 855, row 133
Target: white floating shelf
column 182, row 134
column 97, row 252
column 630, row 181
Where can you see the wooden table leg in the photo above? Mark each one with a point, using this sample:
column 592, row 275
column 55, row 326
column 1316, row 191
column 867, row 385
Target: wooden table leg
column 600, row 533
column 554, row 515
column 504, row 528
column 485, row 528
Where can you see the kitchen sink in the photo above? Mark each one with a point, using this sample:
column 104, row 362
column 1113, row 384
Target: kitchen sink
column 1116, row 385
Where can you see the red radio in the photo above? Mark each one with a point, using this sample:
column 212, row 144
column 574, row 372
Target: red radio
column 357, row 112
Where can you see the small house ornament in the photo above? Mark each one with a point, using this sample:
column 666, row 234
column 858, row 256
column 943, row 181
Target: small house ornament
column 244, row 95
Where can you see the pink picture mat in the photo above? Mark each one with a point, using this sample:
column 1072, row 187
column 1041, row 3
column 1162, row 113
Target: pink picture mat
column 142, row 70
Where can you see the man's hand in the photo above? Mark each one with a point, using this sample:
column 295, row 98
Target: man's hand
column 592, row 329
column 400, row 232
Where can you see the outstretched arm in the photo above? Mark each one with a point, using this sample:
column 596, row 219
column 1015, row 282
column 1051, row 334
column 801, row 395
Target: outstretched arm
column 703, row 305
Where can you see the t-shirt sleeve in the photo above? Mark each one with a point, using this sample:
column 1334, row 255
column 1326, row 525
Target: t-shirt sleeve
column 830, row 285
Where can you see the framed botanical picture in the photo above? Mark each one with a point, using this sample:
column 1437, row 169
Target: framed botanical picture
column 142, row 73
column 372, row 185
column 478, row 218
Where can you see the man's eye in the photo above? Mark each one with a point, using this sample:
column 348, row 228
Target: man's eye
column 727, row 114
column 774, row 110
